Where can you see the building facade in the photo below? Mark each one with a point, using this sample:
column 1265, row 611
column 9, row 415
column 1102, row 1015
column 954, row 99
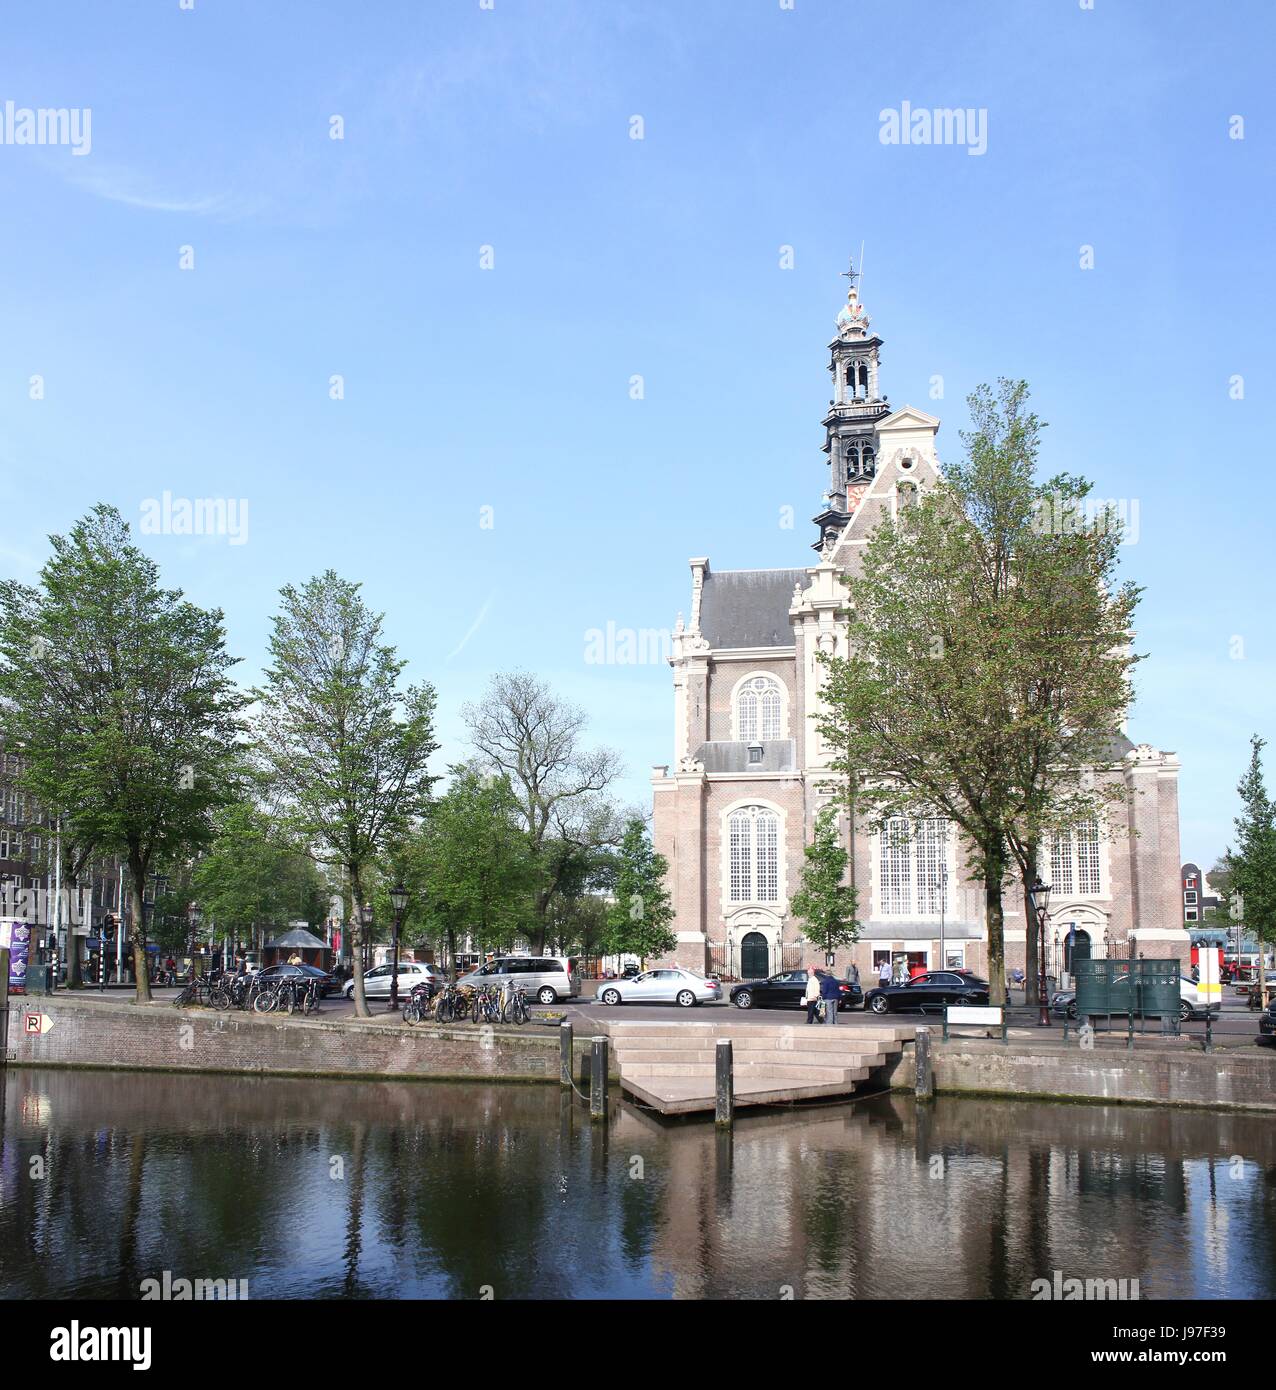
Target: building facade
column 736, row 808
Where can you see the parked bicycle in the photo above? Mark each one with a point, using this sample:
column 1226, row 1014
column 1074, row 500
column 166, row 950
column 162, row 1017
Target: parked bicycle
column 514, row 1006
column 195, row 991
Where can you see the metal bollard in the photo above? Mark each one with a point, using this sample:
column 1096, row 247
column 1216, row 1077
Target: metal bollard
column 1209, row 1029
column 565, row 1054
column 924, row 1074
column 598, row 1080
column 724, row 1092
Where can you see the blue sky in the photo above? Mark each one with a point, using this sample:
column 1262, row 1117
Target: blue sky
column 509, row 388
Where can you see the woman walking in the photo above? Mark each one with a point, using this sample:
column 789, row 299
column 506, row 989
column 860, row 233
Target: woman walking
column 812, row 995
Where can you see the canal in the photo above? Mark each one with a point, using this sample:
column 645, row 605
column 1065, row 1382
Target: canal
column 314, row 1189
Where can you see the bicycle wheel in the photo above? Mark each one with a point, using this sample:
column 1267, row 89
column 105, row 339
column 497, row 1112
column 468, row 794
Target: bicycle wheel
column 410, row 1014
column 220, row 999
column 264, row 1003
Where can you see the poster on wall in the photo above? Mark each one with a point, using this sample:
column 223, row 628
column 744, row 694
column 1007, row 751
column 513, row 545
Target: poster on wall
column 18, row 936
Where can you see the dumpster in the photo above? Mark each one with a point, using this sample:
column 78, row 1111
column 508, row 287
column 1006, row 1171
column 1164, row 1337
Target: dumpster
column 39, row 979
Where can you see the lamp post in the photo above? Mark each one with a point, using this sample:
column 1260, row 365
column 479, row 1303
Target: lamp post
column 1040, row 894
column 195, row 916
column 399, row 899
column 365, row 917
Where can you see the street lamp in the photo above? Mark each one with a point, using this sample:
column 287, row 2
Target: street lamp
column 1040, row 895
column 399, row 900
column 365, row 917
column 195, row 916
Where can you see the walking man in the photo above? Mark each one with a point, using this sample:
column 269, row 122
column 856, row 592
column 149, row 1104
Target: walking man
column 884, row 972
column 831, row 994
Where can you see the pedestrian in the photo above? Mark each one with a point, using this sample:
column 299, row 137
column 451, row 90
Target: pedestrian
column 884, row 972
column 830, row 994
column 812, row 995
column 853, row 973
column 295, row 958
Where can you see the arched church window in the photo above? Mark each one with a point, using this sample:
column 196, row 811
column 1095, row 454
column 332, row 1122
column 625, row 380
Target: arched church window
column 753, row 833
column 758, row 710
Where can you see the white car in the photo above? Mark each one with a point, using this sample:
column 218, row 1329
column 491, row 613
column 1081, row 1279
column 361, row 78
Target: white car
column 376, row 982
column 669, row 986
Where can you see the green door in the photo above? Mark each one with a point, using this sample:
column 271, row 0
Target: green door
column 754, row 960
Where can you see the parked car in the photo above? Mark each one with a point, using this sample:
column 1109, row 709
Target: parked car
column 329, row 983
column 668, row 986
column 787, row 990
column 548, row 978
column 930, row 991
column 1267, row 1022
column 377, row 981
column 1190, row 1005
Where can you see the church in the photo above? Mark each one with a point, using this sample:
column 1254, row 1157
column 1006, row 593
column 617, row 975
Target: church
column 734, row 811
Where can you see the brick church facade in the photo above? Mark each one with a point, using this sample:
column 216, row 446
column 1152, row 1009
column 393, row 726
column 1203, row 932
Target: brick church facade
column 735, row 809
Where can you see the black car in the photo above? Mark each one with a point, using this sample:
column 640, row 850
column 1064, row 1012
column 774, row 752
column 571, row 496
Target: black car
column 930, row 992
column 1267, row 1022
column 787, row 990
column 328, row 984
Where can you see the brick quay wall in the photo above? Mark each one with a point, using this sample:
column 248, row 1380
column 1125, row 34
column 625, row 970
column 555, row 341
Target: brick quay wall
column 90, row 1032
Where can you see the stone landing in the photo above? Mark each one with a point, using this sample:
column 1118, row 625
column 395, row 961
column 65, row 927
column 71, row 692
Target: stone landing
column 671, row 1066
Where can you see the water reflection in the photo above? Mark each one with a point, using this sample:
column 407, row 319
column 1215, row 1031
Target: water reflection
column 343, row 1189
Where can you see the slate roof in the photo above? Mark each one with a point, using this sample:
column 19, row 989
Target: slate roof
column 721, row 756
column 748, row 608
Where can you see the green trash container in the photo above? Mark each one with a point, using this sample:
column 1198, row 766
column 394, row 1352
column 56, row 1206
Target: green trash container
column 39, row 979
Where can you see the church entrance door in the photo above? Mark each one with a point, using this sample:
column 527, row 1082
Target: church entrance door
column 754, row 962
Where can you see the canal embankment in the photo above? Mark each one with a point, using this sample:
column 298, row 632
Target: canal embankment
column 1172, row 1072
column 87, row 1032
column 81, row 1031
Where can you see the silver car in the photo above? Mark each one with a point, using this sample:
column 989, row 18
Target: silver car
column 666, row 986
column 376, row 982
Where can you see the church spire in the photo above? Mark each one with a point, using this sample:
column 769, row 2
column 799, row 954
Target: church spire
column 857, row 405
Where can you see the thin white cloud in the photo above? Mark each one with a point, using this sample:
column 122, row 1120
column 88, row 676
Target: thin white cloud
column 474, row 627
column 132, row 190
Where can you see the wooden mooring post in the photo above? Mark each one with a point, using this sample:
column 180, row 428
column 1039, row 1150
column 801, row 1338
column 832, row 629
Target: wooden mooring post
column 924, row 1074
column 598, row 1079
column 724, row 1088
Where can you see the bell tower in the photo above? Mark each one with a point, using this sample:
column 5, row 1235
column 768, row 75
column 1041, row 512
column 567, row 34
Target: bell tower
column 856, row 407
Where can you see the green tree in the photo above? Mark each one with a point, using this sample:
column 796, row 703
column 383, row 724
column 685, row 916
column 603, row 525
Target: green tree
column 255, row 876
column 823, row 901
column 638, row 920
column 346, row 746
column 118, row 693
column 469, row 867
column 1253, row 862
column 988, row 658
column 526, row 734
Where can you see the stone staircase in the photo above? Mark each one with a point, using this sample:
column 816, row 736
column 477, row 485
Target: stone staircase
column 672, row 1066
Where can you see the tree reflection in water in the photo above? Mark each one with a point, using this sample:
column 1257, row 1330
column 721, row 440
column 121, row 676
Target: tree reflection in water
column 382, row 1189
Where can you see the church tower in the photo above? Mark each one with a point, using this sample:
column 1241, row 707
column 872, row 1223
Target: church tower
column 854, row 412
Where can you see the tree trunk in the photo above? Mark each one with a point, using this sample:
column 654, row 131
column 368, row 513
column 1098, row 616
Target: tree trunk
column 361, row 1009
column 136, row 925
column 993, row 854
column 451, row 953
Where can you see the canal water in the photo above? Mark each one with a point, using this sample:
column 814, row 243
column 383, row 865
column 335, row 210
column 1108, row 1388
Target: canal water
column 314, row 1189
